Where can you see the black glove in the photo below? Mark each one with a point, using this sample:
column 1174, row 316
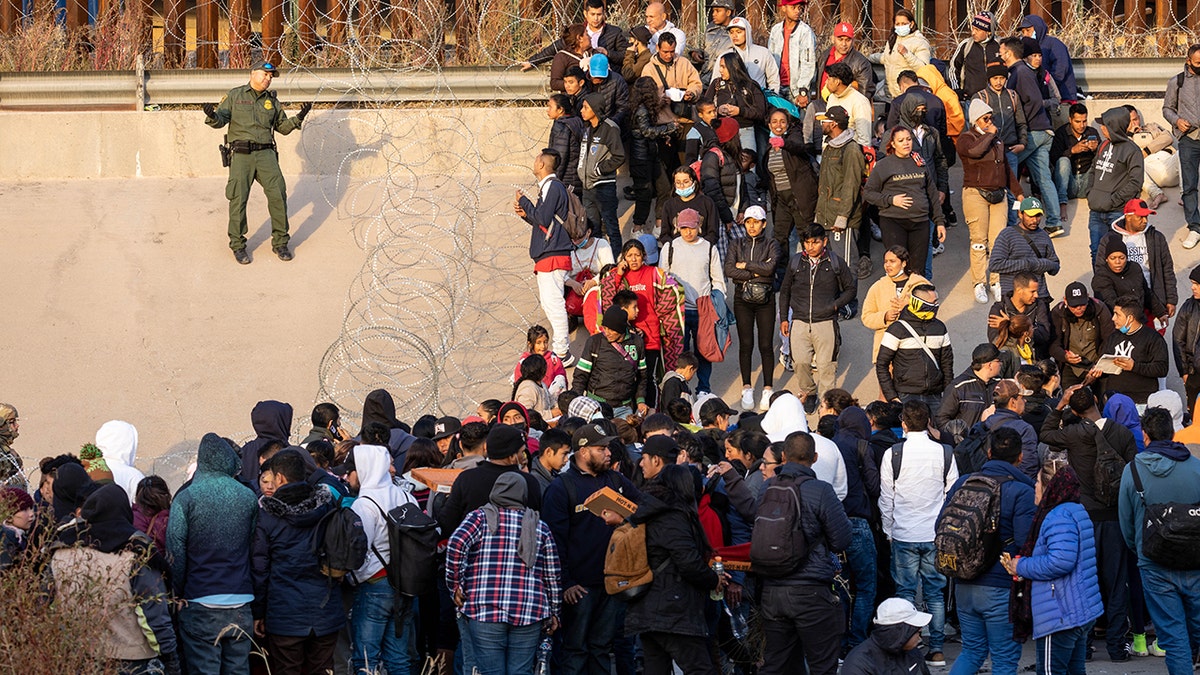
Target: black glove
column 304, row 110
column 170, row 663
column 210, row 110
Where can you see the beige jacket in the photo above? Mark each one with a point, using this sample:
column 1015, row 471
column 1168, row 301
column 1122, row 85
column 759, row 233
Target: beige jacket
column 879, row 301
column 680, row 74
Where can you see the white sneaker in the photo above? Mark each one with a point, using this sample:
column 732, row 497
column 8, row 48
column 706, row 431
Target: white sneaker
column 764, row 403
column 981, row 293
column 939, row 249
column 1193, row 238
column 748, row 398
column 996, row 291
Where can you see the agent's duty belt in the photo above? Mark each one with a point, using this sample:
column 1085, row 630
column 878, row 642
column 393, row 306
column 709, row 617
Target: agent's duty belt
column 247, row 147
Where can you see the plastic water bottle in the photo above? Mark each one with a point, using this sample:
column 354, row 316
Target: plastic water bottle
column 719, row 568
column 543, row 659
column 737, row 622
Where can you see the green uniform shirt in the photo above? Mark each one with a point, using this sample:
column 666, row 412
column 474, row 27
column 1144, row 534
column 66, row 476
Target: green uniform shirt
column 251, row 115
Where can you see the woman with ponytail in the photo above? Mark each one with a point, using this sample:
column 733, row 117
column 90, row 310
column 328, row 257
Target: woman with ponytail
column 889, row 295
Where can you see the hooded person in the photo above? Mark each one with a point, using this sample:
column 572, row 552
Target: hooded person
column 374, row 633
column 72, row 485
column 1149, row 248
column 892, row 648
column 862, row 494
column 272, row 421
column 12, row 470
column 1121, row 409
column 119, row 442
column 786, row 415
column 209, row 536
column 380, row 407
column 1055, row 57
column 760, row 63
column 1168, row 399
column 926, row 141
column 111, row 553
column 1116, row 174
column 955, row 121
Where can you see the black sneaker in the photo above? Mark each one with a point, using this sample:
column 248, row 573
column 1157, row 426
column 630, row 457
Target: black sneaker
column 810, row 407
column 284, row 253
column 241, row 256
column 1056, row 231
column 864, row 267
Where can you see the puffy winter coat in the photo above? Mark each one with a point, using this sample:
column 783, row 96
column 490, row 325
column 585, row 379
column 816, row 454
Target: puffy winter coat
column 1066, row 588
column 1186, row 336
column 677, row 596
column 1163, row 286
column 903, row 367
column 721, row 180
column 761, row 255
column 565, row 136
column 289, row 590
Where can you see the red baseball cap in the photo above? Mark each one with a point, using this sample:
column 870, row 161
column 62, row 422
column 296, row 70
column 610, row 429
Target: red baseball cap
column 793, row 2
column 843, row 29
column 1138, row 207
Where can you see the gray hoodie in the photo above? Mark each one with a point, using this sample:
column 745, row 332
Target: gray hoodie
column 1117, row 170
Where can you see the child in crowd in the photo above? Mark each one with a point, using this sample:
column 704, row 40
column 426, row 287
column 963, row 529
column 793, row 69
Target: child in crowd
column 16, row 507
column 537, row 340
column 701, row 136
column 675, row 383
column 151, row 509
column 756, row 193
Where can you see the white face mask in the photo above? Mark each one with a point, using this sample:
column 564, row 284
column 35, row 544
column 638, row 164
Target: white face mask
column 903, row 30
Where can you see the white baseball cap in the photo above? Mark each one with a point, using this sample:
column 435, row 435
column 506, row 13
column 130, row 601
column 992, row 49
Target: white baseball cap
column 740, row 22
column 756, row 212
column 898, row 610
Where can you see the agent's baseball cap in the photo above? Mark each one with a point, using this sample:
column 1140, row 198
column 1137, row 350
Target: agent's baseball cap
column 1077, row 294
column 265, row 66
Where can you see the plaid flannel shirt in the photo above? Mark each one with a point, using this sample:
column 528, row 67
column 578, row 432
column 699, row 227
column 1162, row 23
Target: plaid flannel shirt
column 497, row 585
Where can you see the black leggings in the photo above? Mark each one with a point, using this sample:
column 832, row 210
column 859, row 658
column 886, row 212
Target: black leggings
column 749, row 317
column 912, row 235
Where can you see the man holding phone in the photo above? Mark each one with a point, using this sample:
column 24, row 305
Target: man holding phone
column 1181, row 108
column 1071, row 155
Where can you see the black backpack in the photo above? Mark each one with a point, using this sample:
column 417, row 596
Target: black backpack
column 1107, row 471
column 971, row 452
column 778, row 545
column 967, row 533
column 412, row 546
column 1170, row 530
column 340, row 544
column 947, row 460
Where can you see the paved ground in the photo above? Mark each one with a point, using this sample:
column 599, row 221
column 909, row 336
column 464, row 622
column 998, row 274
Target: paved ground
column 124, row 302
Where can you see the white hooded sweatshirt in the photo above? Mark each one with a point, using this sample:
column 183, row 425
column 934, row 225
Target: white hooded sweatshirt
column 786, row 416
column 119, row 441
column 372, row 463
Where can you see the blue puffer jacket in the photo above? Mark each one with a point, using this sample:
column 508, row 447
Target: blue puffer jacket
column 1066, row 589
column 1017, row 509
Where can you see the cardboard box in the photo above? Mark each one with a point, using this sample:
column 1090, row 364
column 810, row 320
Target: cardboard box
column 438, row 480
column 609, row 499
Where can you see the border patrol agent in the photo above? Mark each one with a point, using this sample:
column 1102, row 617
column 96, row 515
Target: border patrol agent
column 253, row 114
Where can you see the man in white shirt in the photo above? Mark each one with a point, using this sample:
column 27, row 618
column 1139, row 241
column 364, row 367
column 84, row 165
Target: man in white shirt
column 656, row 21
column 912, row 490
column 759, row 61
column 840, row 84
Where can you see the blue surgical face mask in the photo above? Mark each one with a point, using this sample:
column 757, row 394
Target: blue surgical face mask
column 1124, row 329
column 686, row 192
column 584, row 243
column 903, row 30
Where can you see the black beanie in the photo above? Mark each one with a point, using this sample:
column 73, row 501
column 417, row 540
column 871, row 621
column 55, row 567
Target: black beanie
column 1195, row 275
column 1115, row 245
column 504, row 441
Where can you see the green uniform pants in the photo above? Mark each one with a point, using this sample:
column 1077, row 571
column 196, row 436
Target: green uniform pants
column 244, row 169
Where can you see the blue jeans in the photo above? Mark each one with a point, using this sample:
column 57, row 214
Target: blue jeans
column 589, row 627
column 600, row 203
column 1065, row 650
column 912, row 564
column 1173, row 598
column 1070, row 185
column 933, row 242
column 373, row 631
column 1189, row 166
column 502, row 649
column 210, row 649
column 1011, row 157
column 860, row 558
column 1036, row 156
column 1100, row 224
column 983, row 620
column 691, row 324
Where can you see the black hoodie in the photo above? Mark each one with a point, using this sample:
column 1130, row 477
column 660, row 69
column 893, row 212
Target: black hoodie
column 1118, row 169
column 272, row 421
column 883, row 653
column 380, row 407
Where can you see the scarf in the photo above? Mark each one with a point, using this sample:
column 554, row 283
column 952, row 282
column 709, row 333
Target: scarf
column 511, row 492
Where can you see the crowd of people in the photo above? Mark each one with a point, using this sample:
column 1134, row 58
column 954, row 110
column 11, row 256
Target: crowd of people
column 612, row 513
